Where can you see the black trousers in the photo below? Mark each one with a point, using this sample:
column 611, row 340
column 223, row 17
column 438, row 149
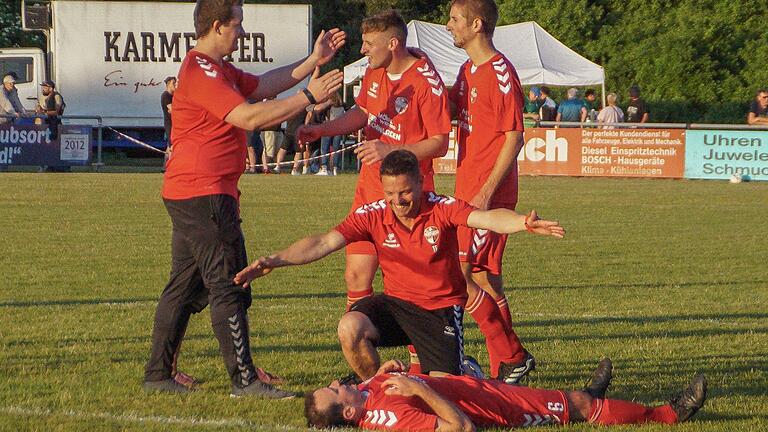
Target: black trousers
column 207, row 250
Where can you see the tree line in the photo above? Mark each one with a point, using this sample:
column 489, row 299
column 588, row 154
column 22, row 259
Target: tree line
column 695, row 60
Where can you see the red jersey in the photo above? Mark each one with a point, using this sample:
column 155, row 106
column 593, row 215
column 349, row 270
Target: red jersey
column 401, row 110
column 485, row 402
column 489, row 101
column 208, row 153
column 419, row 266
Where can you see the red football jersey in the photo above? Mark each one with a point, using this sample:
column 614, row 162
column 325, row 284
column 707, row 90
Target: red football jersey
column 401, row 110
column 419, row 266
column 208, row 153
column 489, row 102
column 485, row 402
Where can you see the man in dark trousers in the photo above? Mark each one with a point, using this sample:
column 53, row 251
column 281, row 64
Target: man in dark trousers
column 166, row 99
column 210, row 114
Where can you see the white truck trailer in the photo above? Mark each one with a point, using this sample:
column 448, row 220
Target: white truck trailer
column 109, row 59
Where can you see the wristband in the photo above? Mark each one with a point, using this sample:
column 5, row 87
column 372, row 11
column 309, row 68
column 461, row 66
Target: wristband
column 310, row 97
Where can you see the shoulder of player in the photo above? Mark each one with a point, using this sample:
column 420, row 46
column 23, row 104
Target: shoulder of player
column 196, row 65
column 371, row 207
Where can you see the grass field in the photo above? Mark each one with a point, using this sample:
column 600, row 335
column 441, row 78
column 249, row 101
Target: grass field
column 666, row 277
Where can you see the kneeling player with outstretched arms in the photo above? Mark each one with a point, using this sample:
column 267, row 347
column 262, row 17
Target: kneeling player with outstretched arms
column 414, row 234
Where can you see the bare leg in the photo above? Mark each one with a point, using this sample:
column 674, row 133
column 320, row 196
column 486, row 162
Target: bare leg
column 360, row 272
column 357, row 335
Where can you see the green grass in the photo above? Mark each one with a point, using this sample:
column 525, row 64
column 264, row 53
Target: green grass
column 666, row 277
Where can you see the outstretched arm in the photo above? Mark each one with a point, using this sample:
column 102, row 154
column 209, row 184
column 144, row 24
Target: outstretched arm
column 278, row 80
column 505, row 221
column 304, row 251
column 376, row 150
column 349, row 122
column 449, row 416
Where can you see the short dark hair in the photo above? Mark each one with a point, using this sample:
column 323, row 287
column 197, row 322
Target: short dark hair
column 589, row 92
column 333, row 416
column 545, row 90
column 486, row 10
column 762, row 90
column 400, row 162
column 386, row 20
column 208, row 11
column 169, row 79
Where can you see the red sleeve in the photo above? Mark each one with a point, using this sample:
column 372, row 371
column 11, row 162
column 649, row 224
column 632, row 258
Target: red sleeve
column 356, row 227
column 457, row 211
column 396, row 413
column 453, row 210
column 247, row 82
column 213, row 90
column 433, row 103
column 508, row 99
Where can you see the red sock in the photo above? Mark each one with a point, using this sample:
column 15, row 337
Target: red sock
column 355, row 296
column 502, row 345
column 615, row 412
column 415, row 367
column 503, row 305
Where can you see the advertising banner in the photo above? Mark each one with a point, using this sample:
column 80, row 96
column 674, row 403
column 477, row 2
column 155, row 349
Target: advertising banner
column 110, row 51
column 713, row 154
column 34, row 145
column 597, row 152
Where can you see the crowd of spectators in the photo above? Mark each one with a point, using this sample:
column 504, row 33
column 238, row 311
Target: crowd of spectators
column 540, row 106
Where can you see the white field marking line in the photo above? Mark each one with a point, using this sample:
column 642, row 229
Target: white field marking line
column 274, row 164
column 136, row 418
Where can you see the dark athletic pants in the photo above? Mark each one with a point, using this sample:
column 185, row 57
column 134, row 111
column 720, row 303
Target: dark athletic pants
column 207, row 250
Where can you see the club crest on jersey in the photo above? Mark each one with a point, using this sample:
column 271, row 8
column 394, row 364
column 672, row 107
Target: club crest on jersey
column 401, row 104
column 391, row 241
column 432, row 234
column 473, row 95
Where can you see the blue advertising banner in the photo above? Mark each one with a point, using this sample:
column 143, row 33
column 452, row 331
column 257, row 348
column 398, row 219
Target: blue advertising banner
column 721, row 154
column 30, row 144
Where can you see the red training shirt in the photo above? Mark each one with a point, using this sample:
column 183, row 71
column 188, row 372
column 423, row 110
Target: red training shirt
column 401, row 111
column 208, row 153
column 419, row 266
column 489, row 100
column 485, row 402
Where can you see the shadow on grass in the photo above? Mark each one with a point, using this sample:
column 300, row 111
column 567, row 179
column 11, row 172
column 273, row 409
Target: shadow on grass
column 649, row 319
column 510, row 289
column 44, row 303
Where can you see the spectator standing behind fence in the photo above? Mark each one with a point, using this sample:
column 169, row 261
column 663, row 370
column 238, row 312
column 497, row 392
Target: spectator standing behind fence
column 10, row 105
column 166, row 99
column 611, row 113
column 532, row 106
column 290, row 144
column 331, row 143
column 637, row 111
column 51, row 103
column 255, row 150
column 758, row 111
column 272, row 138
column 590, row 105
column 572, row 109
column 548, row 110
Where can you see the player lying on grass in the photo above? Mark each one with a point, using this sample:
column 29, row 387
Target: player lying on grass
column 393, row 400
column 414, row 234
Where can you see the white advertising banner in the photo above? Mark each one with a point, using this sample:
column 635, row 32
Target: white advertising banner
column 111, row 57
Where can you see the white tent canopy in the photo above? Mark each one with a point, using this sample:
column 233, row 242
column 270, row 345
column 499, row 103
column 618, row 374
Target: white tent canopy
column 538, row 57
